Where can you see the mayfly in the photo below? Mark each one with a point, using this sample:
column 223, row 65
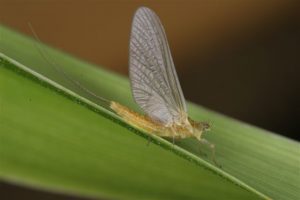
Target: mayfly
column 154, row 84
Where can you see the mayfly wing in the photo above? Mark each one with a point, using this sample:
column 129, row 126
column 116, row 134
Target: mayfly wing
column 154, row 82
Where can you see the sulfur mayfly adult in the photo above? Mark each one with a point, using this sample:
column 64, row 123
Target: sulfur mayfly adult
column 154, row 84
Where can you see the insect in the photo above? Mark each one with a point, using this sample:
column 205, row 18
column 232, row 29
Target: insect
column 154, row 84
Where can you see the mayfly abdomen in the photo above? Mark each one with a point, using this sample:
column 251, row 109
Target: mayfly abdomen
column 133, row 117
column 140, row 121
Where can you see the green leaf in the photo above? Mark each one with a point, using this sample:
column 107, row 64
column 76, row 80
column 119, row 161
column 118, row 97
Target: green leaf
column 54, row 136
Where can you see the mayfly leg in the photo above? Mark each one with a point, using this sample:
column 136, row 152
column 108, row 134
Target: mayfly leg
column 201, row 152
column 149, row 140
column 213, row 153
column 173, row 135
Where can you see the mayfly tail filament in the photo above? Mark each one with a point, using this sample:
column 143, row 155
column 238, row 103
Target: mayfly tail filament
column 59, row 70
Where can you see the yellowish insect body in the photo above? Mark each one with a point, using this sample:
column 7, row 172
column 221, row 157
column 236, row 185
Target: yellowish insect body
column 189, row 128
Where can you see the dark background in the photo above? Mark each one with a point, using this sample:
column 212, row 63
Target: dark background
column 240, row 58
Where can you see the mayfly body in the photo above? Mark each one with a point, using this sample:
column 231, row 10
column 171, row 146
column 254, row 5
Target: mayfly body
column 155, row 85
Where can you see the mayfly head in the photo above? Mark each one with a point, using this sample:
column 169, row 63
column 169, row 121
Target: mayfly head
column 199, row 128
column 205, row 126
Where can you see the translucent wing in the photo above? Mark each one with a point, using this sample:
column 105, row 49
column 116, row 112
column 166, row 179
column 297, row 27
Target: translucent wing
column 154, row 81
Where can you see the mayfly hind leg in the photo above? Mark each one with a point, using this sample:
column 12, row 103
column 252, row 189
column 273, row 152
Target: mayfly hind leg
column 213, row 152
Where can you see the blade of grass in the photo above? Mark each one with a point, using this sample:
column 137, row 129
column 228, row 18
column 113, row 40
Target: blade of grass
column 89, row 154
column 250, row 155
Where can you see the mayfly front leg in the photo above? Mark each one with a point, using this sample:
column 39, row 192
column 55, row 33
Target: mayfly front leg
column 212, row 148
